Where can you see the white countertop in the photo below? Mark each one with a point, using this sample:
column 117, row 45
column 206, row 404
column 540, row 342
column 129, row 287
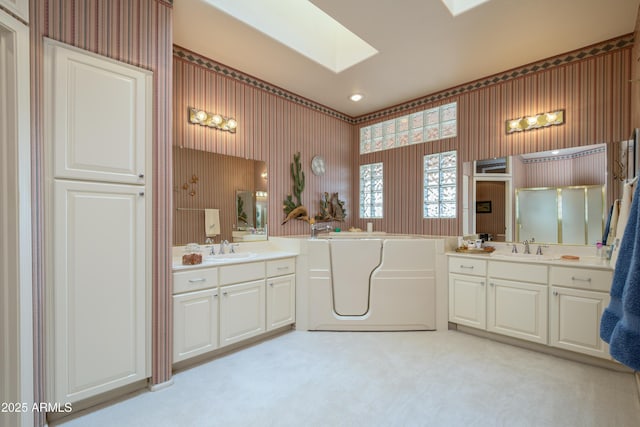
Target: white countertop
column 212, row 261
column 585, row 261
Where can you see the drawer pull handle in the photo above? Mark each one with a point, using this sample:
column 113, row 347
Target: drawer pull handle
column 197, row 280
column 466, row 266
column 580, row 279
column 283, row 268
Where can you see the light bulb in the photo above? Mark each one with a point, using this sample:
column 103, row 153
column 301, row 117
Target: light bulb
column 216, row 119
column 232, row 124
column 201, row 115
column 551, row 117
column 532, row 120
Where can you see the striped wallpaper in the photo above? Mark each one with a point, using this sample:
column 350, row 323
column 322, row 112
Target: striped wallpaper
column 494, row 221
column 140, row 33
column 585, row 170
column 271, row 127
column 593, row 91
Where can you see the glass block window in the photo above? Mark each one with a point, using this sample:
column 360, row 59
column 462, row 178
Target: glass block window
column 440, row 185
column 371, row 186
column 415, row 128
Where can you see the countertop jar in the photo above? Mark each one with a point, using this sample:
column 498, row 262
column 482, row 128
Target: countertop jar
column 192, row 255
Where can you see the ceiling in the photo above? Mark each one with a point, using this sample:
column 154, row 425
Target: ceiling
column 422, row 48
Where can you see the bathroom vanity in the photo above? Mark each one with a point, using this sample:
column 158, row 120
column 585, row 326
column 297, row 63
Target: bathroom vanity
column 541, row 299
column 229, row 300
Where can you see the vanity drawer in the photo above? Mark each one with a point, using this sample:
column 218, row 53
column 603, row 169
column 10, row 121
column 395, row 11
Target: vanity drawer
column 462, row 265
column 280, row 267
column 536, row 273
column 238, row 273
column 583, row 278
column 194, row 280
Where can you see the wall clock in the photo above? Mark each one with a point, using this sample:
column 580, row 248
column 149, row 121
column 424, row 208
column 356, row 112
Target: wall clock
column 317, row 165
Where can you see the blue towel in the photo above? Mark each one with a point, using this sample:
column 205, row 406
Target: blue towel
column 620, row 323
column 605, row 235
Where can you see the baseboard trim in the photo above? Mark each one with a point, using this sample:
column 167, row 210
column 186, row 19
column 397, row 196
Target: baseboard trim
column 161, row 386
column 553, row 351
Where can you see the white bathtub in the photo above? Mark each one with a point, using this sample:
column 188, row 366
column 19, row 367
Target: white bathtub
column 372, row 283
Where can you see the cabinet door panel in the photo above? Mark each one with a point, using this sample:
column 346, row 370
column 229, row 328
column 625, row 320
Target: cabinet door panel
column 99, row 288
column 242, row 311
column 575, row 320
column 195, row 323
column 281, row 302
column 518, row 310
column 99, row 114
column 467, row 301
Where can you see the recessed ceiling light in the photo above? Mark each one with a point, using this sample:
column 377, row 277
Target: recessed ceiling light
column 554, row 152
column 356, row 97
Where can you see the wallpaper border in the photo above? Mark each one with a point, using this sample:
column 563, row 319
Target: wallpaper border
column 622, row 42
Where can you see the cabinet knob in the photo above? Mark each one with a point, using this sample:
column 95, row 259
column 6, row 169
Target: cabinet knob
column 481, row 283
column 271, row 284
column 490, row 283
column 141, row 194
column 224, row 293
column 555, row 293
column 140, row 175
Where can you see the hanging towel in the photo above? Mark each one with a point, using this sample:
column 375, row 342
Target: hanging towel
column 625, row 205
column 614, row 222
column 211, row 222
column 620, row 323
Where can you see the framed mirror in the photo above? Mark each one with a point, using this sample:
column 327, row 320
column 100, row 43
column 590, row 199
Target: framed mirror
column 504, row 181
column 204, row 180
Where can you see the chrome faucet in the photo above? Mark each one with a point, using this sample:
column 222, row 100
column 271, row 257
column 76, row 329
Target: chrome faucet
column 527, row 250
column 317, row 228
column 224, row 244
column 514, row 249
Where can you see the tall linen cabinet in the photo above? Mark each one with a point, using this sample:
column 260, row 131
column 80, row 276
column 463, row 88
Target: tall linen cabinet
column 98, row 124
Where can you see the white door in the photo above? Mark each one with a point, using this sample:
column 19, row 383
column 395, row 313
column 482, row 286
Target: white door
column 242, row 311
column 98, row 289
column 575, row 320
column 467, row 301
column 99, row 115
column 281, row 301
column 195, row 323
column 517, row 309
column 19, row 8
column 16, row 313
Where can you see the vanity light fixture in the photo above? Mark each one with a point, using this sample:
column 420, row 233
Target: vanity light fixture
column 216, row 121
column 534, row 122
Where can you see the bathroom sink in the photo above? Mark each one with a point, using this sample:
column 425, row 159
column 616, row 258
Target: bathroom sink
column 238, row 256
column 521, row 256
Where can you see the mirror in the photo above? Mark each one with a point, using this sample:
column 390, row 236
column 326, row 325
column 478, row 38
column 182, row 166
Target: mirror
column 555, row 196
column 204, row 180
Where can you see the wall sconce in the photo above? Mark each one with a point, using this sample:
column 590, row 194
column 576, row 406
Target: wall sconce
column 201, row 117
column 535, row 122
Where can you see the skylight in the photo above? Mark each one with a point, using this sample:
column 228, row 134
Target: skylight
column 456, row 7
column 303, row 27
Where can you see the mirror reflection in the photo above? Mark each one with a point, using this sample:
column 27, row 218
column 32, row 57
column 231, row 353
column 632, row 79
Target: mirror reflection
column 211, row 181
column 553, row 196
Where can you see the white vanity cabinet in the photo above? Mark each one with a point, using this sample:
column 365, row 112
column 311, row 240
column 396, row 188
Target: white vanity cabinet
column 242, row 302
column 517, row 300
column 195, row 313
column 218, row 306
column 467, row 292
column 578, row 297
column 281, row 293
